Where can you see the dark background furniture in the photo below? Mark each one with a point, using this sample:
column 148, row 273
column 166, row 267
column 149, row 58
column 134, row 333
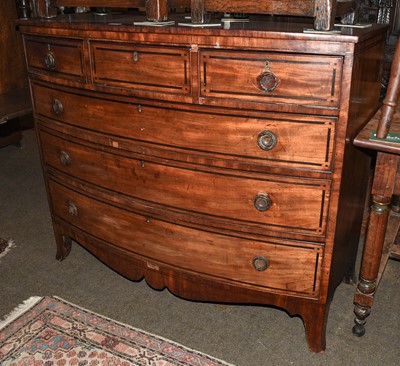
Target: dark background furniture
column 324, row 12
column 14, row 94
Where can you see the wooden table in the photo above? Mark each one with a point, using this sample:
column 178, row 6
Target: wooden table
column 12, row 106
column 384, row 221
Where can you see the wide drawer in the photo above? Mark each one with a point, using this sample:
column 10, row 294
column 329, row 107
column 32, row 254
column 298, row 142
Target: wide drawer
column 138, row 67
column 268, row 77
column 57, row 57
column 275, row 140
column 276, row 265
column 289, row 205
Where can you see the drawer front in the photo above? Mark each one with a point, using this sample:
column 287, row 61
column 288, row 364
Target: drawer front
column 61, row 58
column 163, row 69
column 273, row 202
column 279, row 140
column 274, row 265
column 305, row 80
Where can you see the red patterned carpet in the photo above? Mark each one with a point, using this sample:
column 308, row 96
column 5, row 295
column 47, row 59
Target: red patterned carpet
column 50, row 331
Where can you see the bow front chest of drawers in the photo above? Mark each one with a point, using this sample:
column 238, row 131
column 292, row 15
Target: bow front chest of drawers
column 215, row 162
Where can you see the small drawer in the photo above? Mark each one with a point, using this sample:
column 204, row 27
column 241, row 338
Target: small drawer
column 295, row 141
column 281, row 266
column 138, row 67
column 267, row 202
column 56, row 57
column 305, row 80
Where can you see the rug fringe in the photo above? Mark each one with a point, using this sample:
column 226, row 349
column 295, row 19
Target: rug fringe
column 20, row 309
column 10, row 244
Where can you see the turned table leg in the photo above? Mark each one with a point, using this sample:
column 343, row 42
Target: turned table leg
column 382, row 191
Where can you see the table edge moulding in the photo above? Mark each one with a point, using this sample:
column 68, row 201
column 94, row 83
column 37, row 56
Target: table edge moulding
column 215, row 161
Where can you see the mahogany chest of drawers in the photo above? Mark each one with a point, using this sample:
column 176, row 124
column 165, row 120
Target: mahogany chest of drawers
column 215, row 162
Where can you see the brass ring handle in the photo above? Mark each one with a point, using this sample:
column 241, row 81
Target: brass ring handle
column 72, row 209
column 50, row 61
column 135, row 56
column 268, row 81
column 262, row 202
column 267, row 140
column 58, row 107
column 65, row 159
column 260, row 263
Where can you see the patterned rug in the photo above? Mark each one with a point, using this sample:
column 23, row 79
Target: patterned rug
column 48, row 331
column 5, row 246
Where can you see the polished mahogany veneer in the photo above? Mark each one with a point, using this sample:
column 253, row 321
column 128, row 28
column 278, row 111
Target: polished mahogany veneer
column 215, row 162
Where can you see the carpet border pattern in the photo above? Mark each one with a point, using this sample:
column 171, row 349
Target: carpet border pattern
column 52, row 315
